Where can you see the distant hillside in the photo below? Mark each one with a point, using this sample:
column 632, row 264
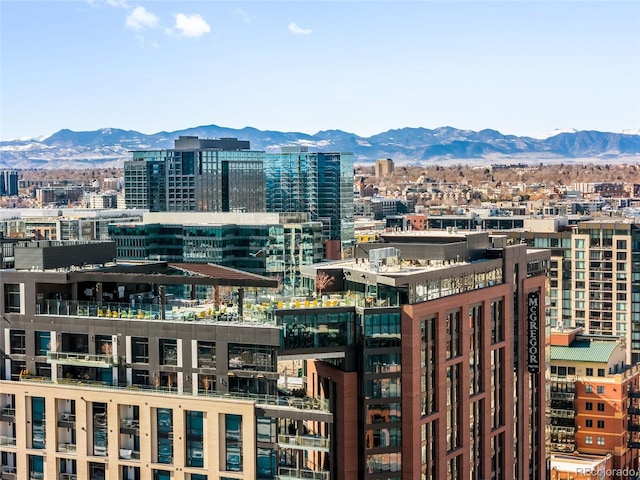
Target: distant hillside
column 109, row 147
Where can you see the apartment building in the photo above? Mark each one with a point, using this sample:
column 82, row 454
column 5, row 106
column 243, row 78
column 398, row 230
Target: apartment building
column 164, row 382
column 449, row 375
column 117, row 371
column 592, row 391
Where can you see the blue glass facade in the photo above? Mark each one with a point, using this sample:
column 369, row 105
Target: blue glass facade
column 318, row 183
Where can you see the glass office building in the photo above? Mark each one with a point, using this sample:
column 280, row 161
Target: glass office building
column 203, row 175
column 319, row 183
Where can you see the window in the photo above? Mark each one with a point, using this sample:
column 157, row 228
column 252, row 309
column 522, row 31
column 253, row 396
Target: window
column 600, row 389
column 600, row 423
column 168, row 351
column 571, row 370
column 233, row 442
column 601, row 372
column 588, row 406
column 38, row 431
column 43, row 342
column 588, row 389
column 12, row 298
column 164, row 418
column 600, row 441
column 588, row 423
column 206, row 355
column 194, row 439
column 589, row 372
column 140, row 349
column 16, row 342
column 588, row 440
column 600, row 407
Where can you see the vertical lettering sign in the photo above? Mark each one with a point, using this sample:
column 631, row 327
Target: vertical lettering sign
column 533, row 325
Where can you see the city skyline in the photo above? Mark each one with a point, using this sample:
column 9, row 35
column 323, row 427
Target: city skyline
column 520, row 67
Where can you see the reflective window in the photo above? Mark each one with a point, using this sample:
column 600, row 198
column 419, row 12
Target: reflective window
column 233, row 443
column 164, row 419
column 194, row 439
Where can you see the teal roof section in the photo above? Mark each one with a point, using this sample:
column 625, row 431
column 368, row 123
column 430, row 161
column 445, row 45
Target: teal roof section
column 584, row 351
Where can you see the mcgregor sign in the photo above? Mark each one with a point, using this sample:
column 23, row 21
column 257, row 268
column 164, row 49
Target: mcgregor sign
column 533, row 326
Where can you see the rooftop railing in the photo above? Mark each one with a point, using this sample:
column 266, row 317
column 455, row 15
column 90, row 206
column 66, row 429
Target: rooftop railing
column 300, row 403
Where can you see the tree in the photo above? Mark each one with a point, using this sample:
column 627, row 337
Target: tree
column 323, row 280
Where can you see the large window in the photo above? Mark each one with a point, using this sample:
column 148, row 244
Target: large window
column 165, row 435
column 168, row 351
column 194, row 425
column 100, row 431
column 38, row 430
column 140, row 349
column 251, row 357
column 43, row 342
column 17, row 342
column 206, row 354
column 12, row 298
column 233, row 442
column 453, row 334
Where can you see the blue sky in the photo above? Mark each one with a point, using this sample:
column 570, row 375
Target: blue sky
column 520, row 67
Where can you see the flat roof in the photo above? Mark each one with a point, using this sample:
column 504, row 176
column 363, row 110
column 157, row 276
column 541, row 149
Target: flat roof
column 173, row 274
column 577, row 463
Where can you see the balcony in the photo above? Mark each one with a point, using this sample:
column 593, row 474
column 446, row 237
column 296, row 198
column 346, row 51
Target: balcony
column 67, row 447
column 68, row 476
column 295, row 473
column 562, row 413
column 128, row 454
column 130, row 426
column 8, row 473
column 67, row 420
column 562, row 396
column 82, row 359
column 563, row 447
column 558, row 429
column 7, row 441
column 8, row 414
column 304, row 442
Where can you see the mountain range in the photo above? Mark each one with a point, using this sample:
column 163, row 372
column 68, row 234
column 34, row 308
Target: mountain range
column 110, row 147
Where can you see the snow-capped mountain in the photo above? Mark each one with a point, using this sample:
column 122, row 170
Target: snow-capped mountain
column 111, row 147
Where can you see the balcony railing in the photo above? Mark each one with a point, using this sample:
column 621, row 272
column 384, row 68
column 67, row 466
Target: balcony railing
column 128, row 454
column 305, row 403
column 561, row 413
column 8, row 412
column 68, row 476
column 10, row 441
column 130, row 423
column 304, row 442
column 67, row 417
column 8, row 473
column 197, row 312
column 561, row 429
column 563, row 447
column 295, row 473
column 67, row 447
column 85, row 359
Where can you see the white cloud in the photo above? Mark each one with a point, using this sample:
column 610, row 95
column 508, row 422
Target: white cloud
column 190, row 25
column 295, row 29
column 140, row 19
